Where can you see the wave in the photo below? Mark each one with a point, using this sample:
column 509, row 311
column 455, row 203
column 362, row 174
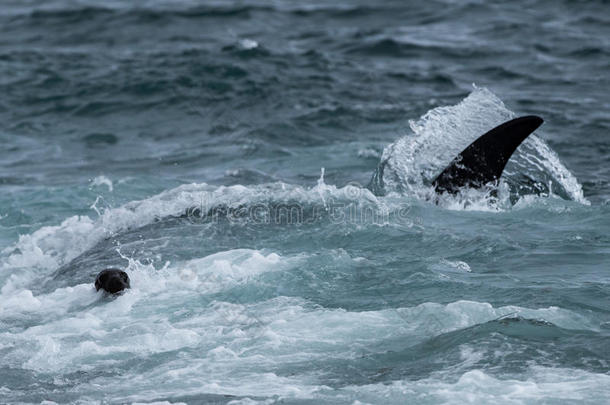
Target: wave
column 177, row 309
column 540, row 385
column 181, row 300
column 51, row 247
column 77, row 15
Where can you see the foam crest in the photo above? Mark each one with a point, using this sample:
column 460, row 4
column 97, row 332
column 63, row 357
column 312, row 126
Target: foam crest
column 541, row 385
column 224, row 269
column 58, row 302
column 295, row 325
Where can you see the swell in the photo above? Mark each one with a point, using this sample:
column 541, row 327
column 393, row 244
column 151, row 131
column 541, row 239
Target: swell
column 391, row 47
column 487, row 346
column 141, row 15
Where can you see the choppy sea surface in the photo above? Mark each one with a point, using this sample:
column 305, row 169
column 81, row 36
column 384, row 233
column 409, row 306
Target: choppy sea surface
column 221, row 153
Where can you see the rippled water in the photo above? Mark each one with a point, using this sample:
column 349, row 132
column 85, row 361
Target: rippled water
column 220, row 152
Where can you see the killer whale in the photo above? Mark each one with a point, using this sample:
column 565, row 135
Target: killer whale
column 481, row 163
column 112, row 281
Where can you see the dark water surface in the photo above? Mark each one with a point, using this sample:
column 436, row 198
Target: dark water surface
column 185, row 142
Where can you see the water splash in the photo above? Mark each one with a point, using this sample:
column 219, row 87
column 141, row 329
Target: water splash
column 409, row 165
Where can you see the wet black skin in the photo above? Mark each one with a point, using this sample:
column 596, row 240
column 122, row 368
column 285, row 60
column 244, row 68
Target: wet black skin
column 112, row 281
column 483, row 161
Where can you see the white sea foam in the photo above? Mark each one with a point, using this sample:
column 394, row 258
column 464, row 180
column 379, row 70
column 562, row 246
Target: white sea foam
column 165, row 312
column 541, row 385
column 248, row 44
column 233, row 348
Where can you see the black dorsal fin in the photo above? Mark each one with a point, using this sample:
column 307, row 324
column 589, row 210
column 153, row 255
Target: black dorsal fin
column 484, row 160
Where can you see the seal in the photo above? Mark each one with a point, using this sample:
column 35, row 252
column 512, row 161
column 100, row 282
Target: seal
column 112, row 281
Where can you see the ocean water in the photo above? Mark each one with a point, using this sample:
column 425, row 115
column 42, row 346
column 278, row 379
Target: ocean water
column 224, row 154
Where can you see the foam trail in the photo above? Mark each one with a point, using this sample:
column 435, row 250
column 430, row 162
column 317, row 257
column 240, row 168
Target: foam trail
column 52, row 246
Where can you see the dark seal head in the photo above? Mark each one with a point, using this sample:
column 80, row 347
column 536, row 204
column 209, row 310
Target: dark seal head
column 112, row 281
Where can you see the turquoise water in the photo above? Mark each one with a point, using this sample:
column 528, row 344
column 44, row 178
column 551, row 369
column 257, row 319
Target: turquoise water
column 222, row 153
